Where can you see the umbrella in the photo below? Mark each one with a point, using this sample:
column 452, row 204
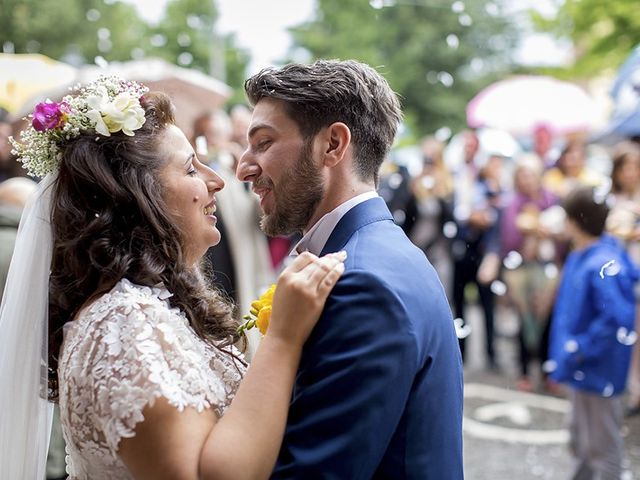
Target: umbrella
column 625, row 120
column 521, row 103
column 24, row 76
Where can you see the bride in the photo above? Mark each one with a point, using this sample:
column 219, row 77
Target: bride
column 140, row 354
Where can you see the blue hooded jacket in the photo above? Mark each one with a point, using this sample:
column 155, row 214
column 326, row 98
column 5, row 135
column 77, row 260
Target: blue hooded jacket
column 593, row 319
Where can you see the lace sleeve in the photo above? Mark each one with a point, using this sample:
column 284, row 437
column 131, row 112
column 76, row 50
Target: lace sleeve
column 128, row 349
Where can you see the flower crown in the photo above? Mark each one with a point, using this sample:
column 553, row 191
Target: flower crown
column 107, row 105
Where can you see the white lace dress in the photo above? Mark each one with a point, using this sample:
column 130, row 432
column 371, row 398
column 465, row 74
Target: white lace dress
column 124, row 351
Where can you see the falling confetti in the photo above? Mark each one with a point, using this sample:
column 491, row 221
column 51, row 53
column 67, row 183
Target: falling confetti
column 498, row 288
column 428, row 182
column 395, row 180
column 450, row 229
column 462, row 213
column 551, row 270
column 512, row 260
column 549, row 366
column 462, row 330
column 571, row 346
column 610, row 269
column 601, row 192
column 626, row 337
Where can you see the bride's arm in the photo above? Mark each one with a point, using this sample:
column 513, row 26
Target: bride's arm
column 245, row 442
column 167, row 444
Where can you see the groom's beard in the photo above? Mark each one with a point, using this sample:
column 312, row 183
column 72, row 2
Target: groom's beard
column 298, row 194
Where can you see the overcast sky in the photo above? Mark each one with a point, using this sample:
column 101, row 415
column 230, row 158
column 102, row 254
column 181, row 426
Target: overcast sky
column 260, row 26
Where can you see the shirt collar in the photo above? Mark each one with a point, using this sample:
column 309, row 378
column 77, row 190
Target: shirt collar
column 314, row 240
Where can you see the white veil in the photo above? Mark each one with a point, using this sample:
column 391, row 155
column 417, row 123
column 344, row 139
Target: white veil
column 26, row 414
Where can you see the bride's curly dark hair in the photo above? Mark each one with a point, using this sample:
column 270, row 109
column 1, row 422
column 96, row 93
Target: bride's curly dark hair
column 109, row 221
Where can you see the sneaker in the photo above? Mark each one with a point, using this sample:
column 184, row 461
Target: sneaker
column 525, row 385
column 553, row 388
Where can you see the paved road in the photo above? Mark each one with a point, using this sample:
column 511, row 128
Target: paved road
column 511, row 435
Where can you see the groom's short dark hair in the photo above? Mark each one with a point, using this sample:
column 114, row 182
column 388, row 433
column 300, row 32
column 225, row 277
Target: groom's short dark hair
column 329, row 91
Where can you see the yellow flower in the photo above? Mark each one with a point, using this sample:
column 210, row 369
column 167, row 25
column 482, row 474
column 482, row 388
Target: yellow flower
column 260, row 312
column 263, row 319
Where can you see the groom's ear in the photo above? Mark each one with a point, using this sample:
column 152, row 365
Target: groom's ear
column 337, row 142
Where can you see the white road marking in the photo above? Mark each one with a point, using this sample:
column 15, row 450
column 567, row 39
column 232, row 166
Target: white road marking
column 515, row 406
column 515, row 412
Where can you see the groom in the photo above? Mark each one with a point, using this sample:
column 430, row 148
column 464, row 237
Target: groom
column 379, row 390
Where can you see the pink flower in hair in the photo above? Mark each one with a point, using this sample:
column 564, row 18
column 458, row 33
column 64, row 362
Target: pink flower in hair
column 49, row 115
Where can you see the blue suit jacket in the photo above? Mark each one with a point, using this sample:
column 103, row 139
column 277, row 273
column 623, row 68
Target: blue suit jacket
column 379, row 390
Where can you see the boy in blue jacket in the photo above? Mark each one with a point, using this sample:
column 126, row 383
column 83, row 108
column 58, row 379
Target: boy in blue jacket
column 592, row 334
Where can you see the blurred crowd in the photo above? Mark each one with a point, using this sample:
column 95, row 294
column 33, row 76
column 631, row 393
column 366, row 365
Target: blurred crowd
column 493, row 226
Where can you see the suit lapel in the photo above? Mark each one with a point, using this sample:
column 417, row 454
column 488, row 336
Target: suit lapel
column 369, row 211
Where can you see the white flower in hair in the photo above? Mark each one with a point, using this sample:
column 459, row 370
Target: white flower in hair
column 112, row 115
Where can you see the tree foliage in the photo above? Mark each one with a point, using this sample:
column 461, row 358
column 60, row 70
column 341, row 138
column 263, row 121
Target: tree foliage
column 77, row 31
column 435, row 54
column 236, row 62
column 185, row 34
column 603, row 32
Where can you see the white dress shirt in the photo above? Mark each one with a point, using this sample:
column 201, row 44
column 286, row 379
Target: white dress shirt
column 315, row 239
